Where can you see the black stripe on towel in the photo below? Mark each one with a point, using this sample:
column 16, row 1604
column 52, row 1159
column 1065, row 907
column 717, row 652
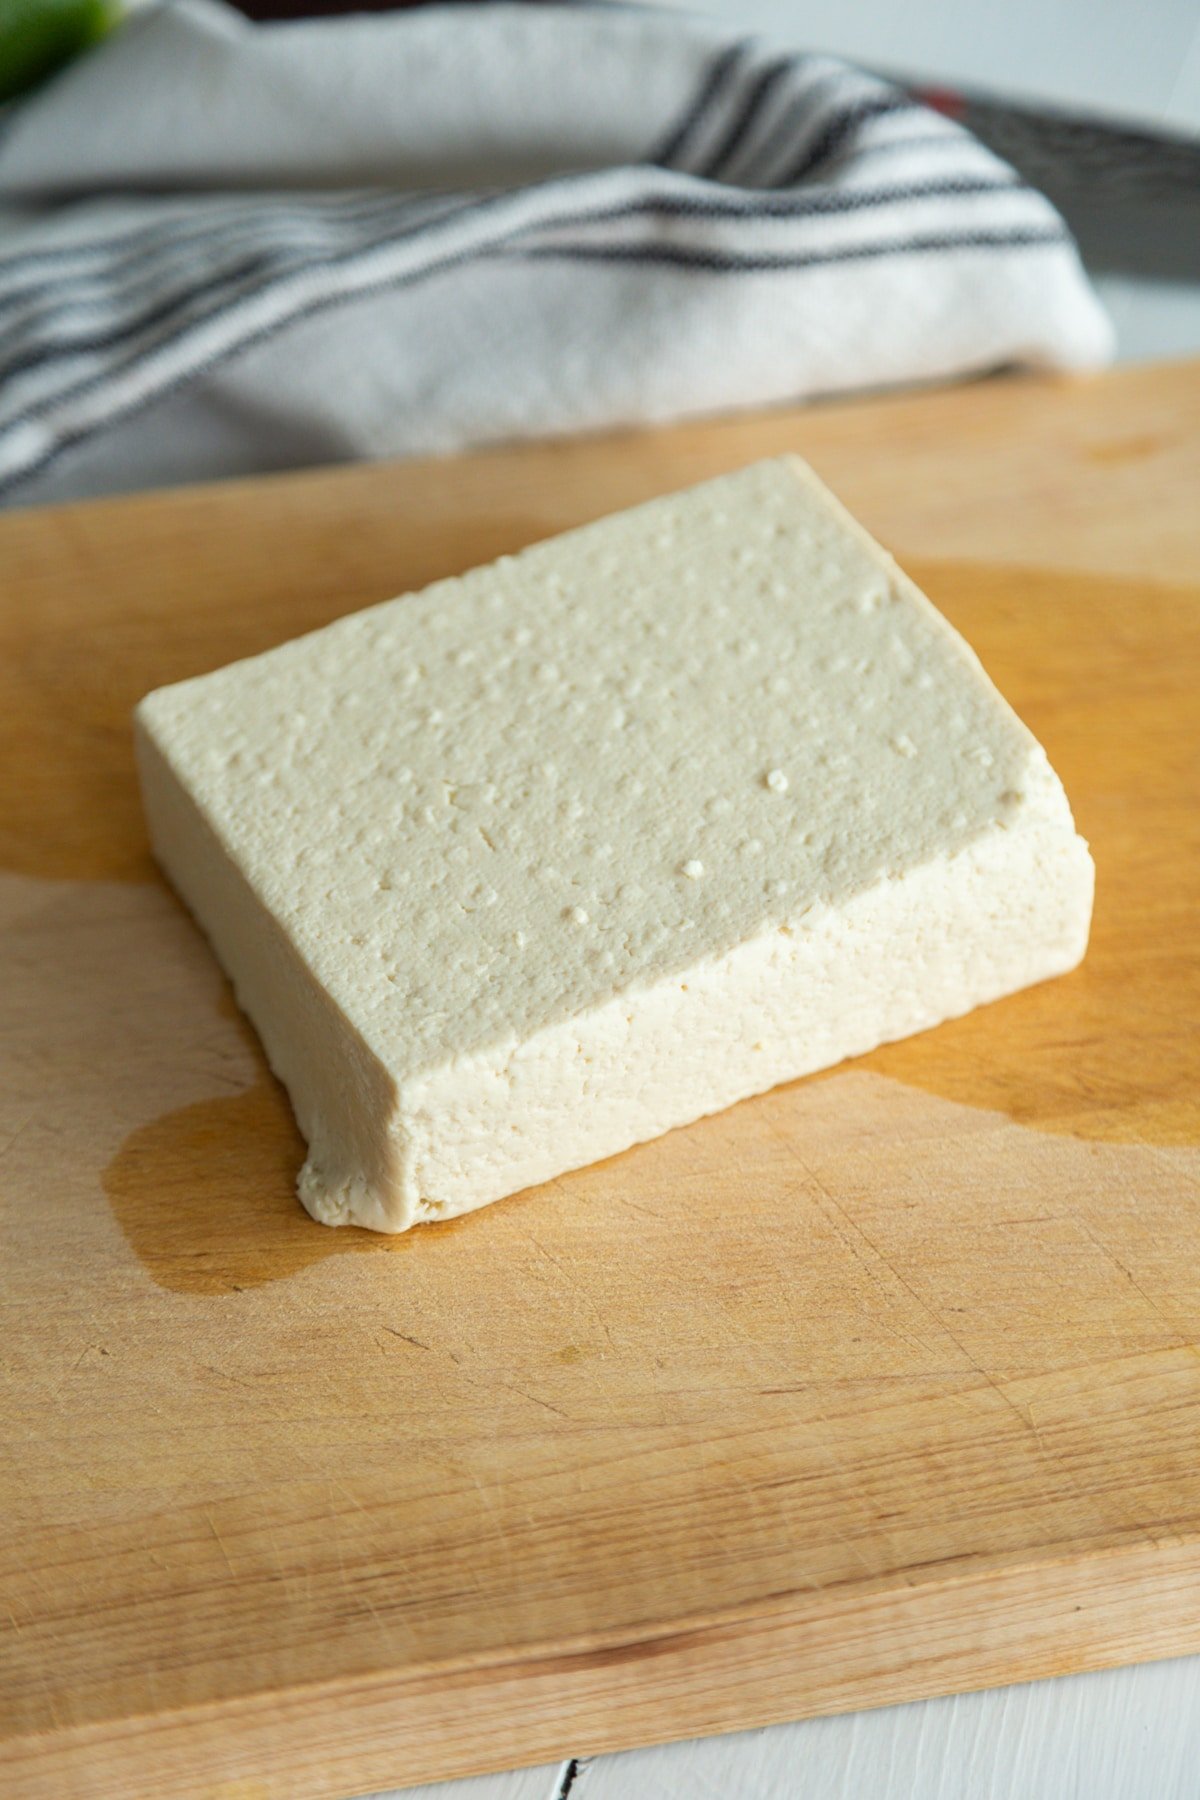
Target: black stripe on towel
column 719, row 262
column 834, row 135
column 670, row 152
column 752, row 110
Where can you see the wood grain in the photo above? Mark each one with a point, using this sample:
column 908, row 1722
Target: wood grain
column 886, row 1384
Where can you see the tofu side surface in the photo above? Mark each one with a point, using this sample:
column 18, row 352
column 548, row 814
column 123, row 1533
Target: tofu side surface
column 555, row 856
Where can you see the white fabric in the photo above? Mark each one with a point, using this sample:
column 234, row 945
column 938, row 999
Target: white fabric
column 226, row 247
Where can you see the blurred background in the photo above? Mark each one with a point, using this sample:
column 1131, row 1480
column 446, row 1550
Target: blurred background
column 1137, row 62
column 1096, row 102
column 228, row 247
column 1102, row 92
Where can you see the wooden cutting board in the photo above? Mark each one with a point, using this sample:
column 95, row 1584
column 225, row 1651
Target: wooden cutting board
column 883, row 1385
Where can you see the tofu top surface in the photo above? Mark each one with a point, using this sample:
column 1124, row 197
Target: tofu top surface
column 487, row 807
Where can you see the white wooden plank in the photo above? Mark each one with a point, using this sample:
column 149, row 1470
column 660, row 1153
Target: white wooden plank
column 1124, row 1734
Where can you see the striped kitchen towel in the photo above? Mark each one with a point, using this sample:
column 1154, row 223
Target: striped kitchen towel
column 227, row 247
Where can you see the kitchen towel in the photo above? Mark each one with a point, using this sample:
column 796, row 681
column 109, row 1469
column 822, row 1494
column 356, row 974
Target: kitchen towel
column 227, row 247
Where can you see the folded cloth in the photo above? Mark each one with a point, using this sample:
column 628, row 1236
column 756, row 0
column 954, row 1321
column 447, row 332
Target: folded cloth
column 227, row 247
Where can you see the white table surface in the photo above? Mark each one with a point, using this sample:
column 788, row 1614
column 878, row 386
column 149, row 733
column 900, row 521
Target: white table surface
column 1122, row 1734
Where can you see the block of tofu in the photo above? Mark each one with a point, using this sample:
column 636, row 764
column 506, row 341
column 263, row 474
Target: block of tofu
column 518, row 871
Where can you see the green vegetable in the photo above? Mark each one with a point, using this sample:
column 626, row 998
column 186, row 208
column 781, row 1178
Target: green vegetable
column 38, row 36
